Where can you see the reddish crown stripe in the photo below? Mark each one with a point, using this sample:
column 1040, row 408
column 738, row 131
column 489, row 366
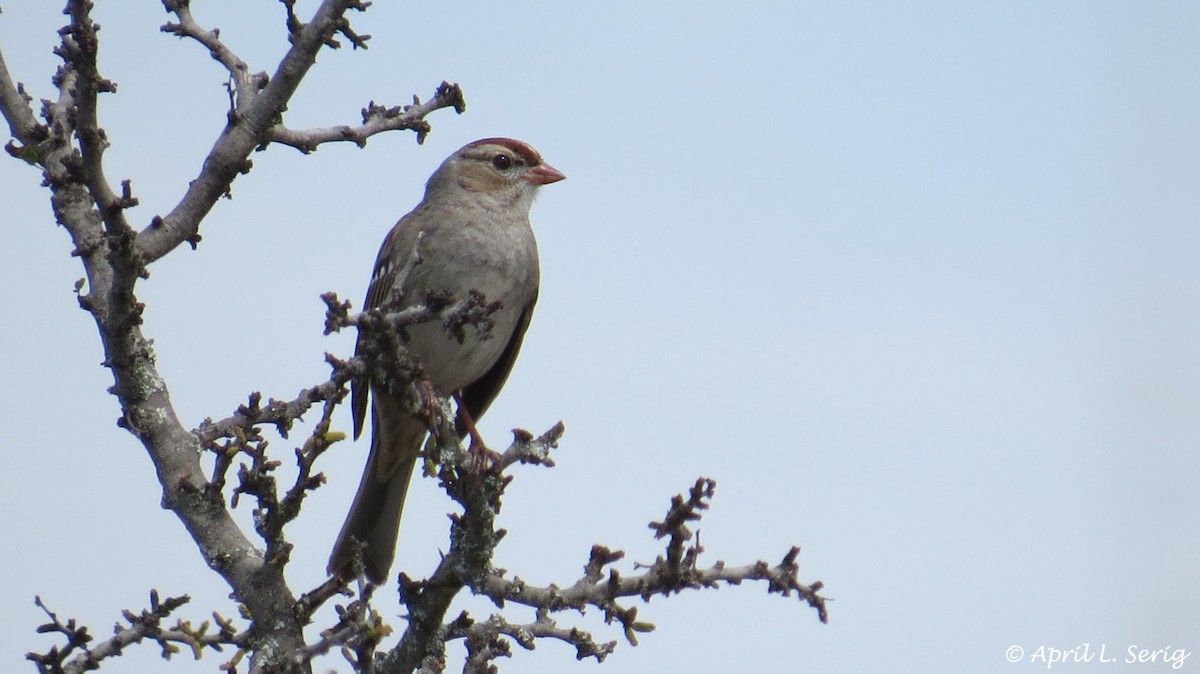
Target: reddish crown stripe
column 527, row 153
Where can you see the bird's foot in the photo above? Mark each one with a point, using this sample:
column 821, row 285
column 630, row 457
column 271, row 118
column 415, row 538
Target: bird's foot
column 481, row 456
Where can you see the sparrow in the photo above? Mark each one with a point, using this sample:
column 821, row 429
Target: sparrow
column 470, row 232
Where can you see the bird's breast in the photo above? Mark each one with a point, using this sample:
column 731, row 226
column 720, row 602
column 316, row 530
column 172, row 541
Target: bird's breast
column 500, row 264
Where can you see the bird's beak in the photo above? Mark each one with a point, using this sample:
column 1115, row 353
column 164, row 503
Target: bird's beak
column 544, row 174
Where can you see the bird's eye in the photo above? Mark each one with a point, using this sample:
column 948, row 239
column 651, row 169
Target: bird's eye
column 502, row 162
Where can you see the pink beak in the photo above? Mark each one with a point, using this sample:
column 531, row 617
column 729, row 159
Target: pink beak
column 544, row 174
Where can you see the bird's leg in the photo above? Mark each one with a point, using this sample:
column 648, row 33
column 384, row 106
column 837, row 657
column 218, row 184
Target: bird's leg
column 478, row 448
column 427, row 397
column 465, row 417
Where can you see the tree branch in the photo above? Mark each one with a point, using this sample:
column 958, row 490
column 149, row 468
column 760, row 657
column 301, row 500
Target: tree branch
column 80, row 47
column 22, row 123
column 376, row 119
column 245, row 85
column 279, row 413
column 477, row 486
column 114, row 260
column 249, row 124
column 467, row 565
column 146, row 625
column 673, row 573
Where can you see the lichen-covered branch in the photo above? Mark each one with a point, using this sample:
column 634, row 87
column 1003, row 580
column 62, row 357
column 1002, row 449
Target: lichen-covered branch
column 476, row 485
column 675, row 571
column 82, row 653
column 476, row 479
column 466, row 566
column 281, row 414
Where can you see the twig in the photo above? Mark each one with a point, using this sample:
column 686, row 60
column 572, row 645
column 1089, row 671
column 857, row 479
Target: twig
column 14, row 106
column 280, row 413
column 376, row 119
column 248, row 129
column 145, row 625
column 246, row 85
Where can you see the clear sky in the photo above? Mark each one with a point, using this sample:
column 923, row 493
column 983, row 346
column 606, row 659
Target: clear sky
column 917, row 283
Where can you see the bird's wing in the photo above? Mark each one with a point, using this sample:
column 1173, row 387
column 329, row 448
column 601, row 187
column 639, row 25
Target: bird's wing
column 387, row 264
column 477, row 395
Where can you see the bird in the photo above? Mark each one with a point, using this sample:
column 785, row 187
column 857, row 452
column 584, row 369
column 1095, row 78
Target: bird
column 470, row 232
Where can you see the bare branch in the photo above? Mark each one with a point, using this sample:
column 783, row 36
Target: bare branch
column 376, row 119
column 246, row 85
column 70, row 199
column 146, row 625
column 14, row 106
column 246, row 131
column 476, row 485
column 281, row 414
column 673, row 573
column 294, row 26
column 79, row 50
column 93, row 214
column 484, row 644
column 358, row 632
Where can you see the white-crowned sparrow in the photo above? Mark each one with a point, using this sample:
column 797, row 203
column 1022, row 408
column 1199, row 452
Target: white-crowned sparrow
column 474, row 234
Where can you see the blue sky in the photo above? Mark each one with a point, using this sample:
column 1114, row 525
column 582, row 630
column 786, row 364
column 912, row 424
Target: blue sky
column 916, row 283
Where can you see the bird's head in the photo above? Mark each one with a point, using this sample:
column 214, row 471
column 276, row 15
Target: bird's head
column 497, row 171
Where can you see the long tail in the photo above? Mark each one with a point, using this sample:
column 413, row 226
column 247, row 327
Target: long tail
column 374, row 518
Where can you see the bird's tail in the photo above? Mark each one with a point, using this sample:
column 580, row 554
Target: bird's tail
column 374, row 519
